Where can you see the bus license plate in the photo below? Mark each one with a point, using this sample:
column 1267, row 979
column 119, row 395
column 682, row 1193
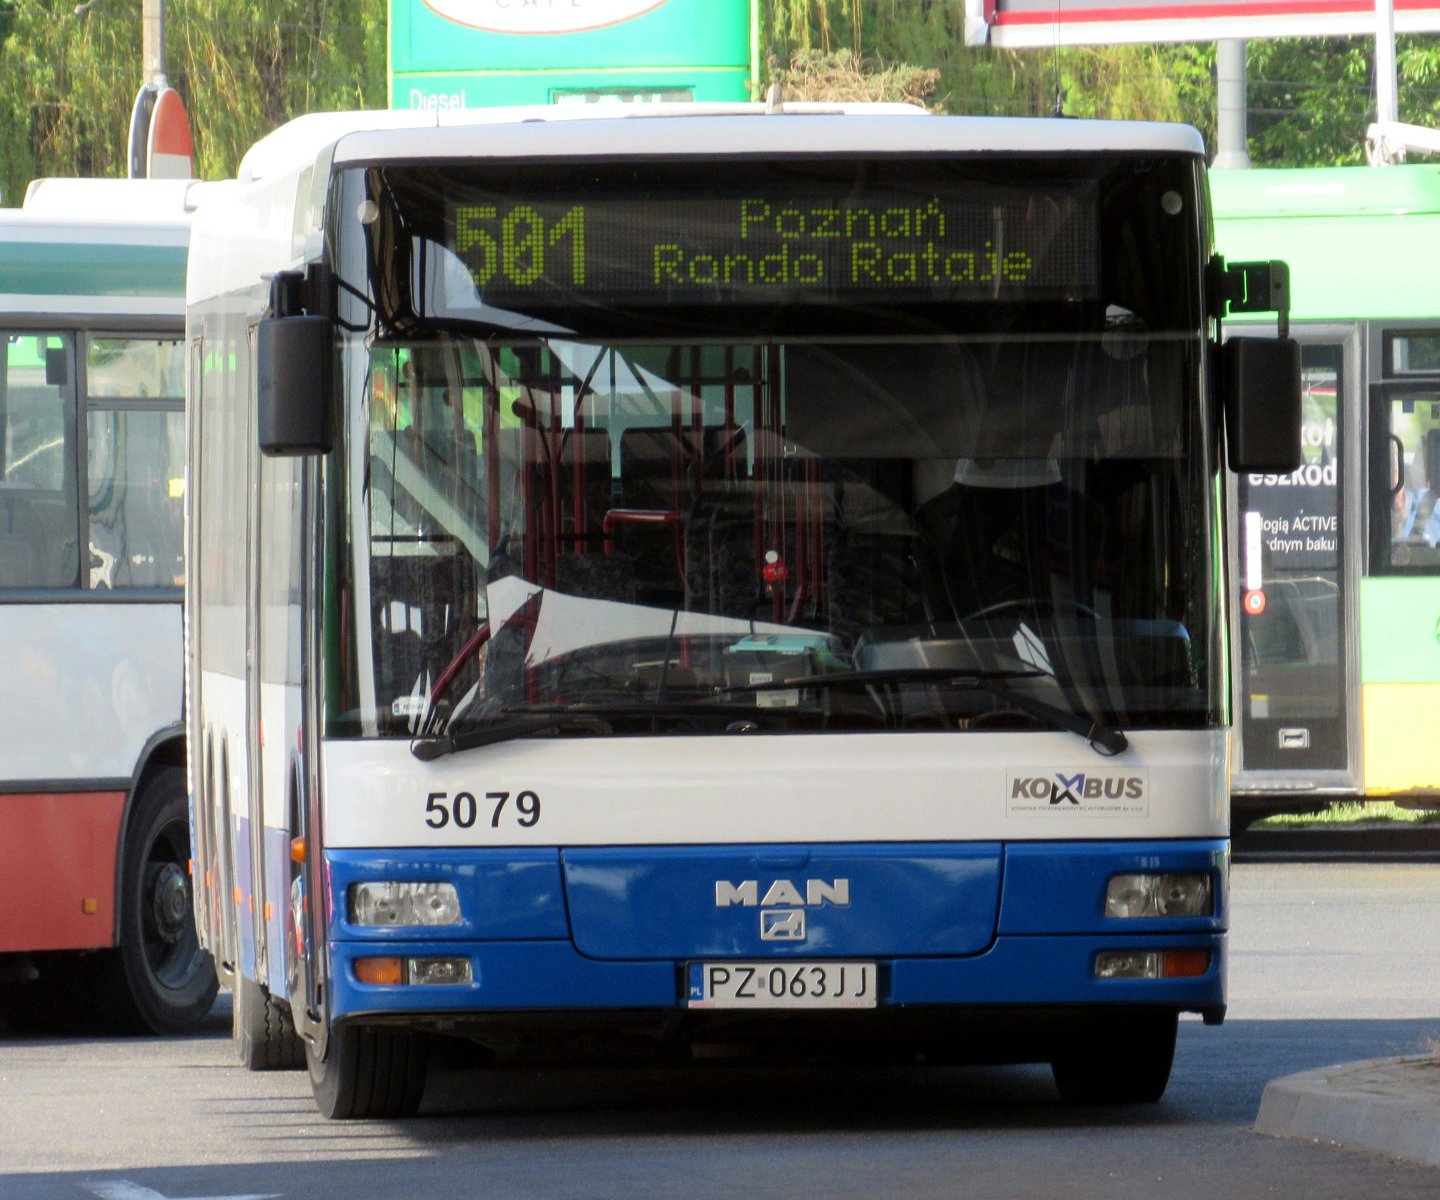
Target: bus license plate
column 781, row 985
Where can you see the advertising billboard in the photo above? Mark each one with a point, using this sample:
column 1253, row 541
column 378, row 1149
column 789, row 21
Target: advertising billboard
column 479, row 53
column 1021, row 24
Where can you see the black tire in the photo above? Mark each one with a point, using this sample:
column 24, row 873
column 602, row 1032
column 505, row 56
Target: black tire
column 368, row 1072
column 261, row 1030
column 1126, row 1063
column 161, row 981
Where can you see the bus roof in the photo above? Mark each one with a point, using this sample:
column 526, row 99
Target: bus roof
column 1357, row 239
column 151, row 201
column 690, row 128
column 96, row 247
column 1327, row 191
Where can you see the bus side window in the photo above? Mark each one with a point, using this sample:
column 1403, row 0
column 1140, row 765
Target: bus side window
column 1415, row 465
column 39, row 524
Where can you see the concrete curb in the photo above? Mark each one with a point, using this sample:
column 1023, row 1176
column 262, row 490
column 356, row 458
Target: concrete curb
column 1387, row 1105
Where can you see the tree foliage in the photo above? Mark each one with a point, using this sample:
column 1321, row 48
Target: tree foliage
column 1310, row 100
column 69, row 74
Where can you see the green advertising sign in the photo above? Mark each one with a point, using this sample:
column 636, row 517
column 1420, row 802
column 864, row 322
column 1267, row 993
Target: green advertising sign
column 479, row 53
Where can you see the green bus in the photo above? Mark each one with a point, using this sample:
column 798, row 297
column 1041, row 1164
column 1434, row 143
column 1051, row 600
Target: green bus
column 1337, row 567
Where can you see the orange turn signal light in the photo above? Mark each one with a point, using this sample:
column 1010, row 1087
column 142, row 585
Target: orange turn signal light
column 297, row 850
column 380, row 971
column 1186, row 964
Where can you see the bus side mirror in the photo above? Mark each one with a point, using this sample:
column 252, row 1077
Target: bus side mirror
column 292, row 379
column 1262, row 403
column 57, row 367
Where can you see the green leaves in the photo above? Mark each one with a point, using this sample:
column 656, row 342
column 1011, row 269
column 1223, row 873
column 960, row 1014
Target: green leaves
column 67, row 81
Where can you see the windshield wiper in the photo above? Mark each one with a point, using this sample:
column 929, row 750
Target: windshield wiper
column 1103, row 739
column 506, row 724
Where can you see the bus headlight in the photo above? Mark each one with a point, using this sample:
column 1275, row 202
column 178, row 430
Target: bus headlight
column 389, row 904
column 1175, row 894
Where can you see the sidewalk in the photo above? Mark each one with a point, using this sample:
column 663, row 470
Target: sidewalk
column 1385, row 1105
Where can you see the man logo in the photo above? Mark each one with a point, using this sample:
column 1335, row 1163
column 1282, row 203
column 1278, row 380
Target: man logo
column 781, row 893
column 782, row 925
column 783, row 904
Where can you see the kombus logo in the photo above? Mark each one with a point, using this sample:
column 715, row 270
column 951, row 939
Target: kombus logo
column 541, row 16
column 1096, row 792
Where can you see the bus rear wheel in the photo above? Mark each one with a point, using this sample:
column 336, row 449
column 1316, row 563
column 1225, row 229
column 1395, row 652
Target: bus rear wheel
column 1128, row 1063
column 369, row 1072
column 161, row 981
column 262, row 1030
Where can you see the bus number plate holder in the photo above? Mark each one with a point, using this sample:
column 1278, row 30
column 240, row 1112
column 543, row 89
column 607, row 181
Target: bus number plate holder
column 771, row 984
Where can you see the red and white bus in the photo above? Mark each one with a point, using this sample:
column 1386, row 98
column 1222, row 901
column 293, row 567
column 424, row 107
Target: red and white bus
column 96, row 921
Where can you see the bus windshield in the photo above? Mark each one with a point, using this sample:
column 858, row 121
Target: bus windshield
column 569, row 502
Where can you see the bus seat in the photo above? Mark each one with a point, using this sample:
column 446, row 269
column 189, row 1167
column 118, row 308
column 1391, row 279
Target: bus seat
column 720, row 559
column 588, row 453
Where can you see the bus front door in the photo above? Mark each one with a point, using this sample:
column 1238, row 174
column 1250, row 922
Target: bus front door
column 1400, row 598
column 1293, row 713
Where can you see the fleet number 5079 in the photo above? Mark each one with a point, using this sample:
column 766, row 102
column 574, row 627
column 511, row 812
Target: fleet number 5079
column 464, row 810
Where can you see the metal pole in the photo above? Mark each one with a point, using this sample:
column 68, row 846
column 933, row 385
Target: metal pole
column 1385, row 142
column 152, row 26
column 1387, row 91
column 1233, row 150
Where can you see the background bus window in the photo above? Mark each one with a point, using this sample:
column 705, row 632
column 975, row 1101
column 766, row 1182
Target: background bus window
column 136, row 475
column 1415, row 478
column 135, row 369
column 1405, row 457
column 1292, row 665
column 135, row 425
column 39, row 526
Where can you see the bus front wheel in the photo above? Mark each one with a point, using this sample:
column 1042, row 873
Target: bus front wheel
column 1128, row 1063
column 368, row 1072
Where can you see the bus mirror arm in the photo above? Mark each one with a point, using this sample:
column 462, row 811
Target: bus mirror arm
column 1251, row 287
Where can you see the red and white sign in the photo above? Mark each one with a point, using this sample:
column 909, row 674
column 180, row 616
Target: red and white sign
column 1019, row 24
column 170, row 154
column 541, row 16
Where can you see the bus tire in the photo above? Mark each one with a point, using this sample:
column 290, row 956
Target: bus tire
column 1128, row 1063
column 369, row 1072
column 262, row 1031
column 161, row 981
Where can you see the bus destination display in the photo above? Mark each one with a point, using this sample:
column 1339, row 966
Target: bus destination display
column 1004, row 244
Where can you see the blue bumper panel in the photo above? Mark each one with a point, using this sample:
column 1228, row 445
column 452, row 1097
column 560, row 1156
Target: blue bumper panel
column 681, row 902
column 926, row 913
column 504, row 894
column 552, row 975
column 1059, row 887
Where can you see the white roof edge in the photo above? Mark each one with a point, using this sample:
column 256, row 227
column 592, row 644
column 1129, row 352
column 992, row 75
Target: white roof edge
column 147, row 201
column 728, row 128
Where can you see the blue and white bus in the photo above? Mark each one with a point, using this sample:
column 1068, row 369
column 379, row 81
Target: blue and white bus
column 734, row 577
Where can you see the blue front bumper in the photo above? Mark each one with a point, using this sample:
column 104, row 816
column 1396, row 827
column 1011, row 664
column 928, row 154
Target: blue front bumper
column 549, row 930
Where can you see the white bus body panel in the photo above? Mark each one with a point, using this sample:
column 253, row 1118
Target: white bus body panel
column 871, row 787
column 86, row 686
